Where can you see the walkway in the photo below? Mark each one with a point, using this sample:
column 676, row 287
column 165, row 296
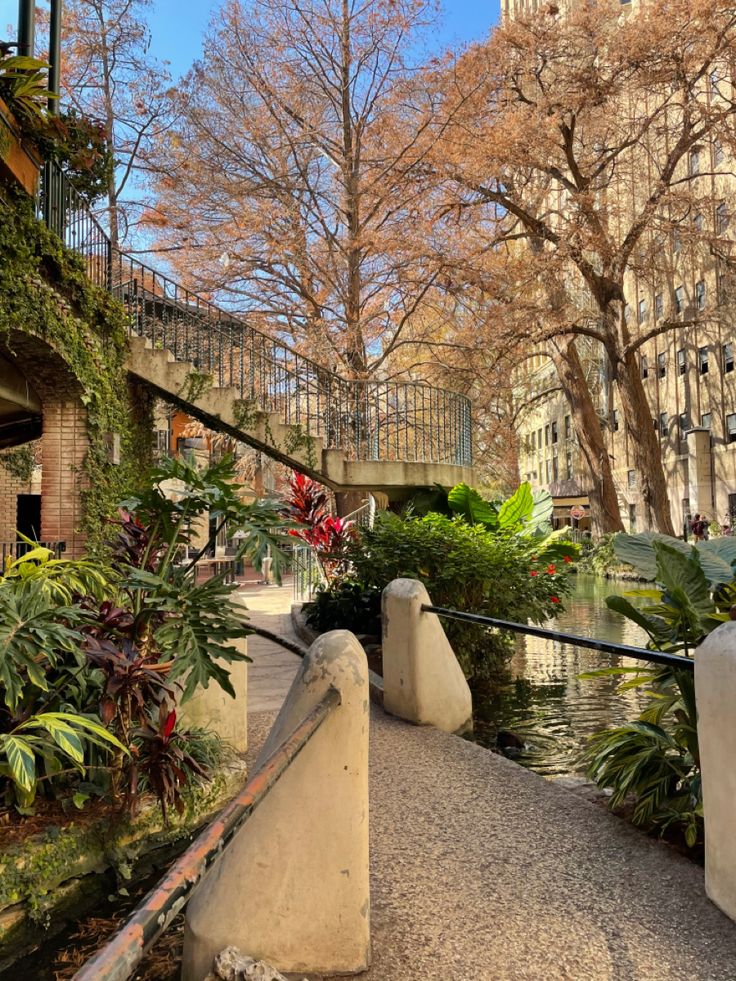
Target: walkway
column 273, row 668
column 484, row 871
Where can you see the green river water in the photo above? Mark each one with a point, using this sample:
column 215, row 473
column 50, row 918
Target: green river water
column 546, row 702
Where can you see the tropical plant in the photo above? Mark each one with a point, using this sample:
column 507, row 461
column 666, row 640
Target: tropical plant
column 466, row 567
column 24, row 87
column 345, row 605
column 52, row 738
column 61, row 580
column 655, row 761
column 308, row 505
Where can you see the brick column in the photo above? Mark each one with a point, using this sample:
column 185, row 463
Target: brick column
column 65, row 444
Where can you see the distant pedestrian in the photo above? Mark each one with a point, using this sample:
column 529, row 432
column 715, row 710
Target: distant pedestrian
column 698, row 528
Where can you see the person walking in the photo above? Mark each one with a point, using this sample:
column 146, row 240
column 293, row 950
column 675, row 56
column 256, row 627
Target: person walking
column 697, row 528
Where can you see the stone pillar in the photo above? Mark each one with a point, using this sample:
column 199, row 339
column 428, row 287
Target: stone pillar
column 700, row 472
column 292, row 888
column 423, row 681
column 715, row 691
column 64, row 446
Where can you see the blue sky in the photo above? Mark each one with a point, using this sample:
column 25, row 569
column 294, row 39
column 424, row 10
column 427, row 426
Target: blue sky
column 177, row 26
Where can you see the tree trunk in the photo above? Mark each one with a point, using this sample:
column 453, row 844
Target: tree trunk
column 604, row 510
column 645, row 443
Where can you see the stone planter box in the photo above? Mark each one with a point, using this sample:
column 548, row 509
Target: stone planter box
column 19, row 160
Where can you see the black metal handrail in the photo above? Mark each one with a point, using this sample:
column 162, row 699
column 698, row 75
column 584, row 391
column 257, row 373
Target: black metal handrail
column 607, row 647
column 366, row 419
column 118, row 959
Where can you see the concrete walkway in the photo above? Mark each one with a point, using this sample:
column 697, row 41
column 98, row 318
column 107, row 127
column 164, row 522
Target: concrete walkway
column 484, row 871
column 273, row 668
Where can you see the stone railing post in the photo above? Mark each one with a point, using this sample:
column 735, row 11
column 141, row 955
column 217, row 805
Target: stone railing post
column 715, row 692
column 292, row 887
column 423, row 681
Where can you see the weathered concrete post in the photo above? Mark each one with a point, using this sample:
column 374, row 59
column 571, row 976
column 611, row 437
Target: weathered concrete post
column 292, row 887
column 422, row 679
column 715, row 692
column 212, row 708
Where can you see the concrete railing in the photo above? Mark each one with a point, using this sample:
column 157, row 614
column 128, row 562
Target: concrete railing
column 423, row 681
column 292, row 888
column 282, row 873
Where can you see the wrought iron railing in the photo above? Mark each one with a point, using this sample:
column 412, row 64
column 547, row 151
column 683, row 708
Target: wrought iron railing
column 367, row 420
column 677, row 661
column 307, row 572
column 10, row 551
column 118, row 959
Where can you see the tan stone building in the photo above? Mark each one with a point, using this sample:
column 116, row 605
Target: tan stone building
column 689, row 372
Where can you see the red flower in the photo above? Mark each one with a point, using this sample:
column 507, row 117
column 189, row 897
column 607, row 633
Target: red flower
column 567, row 559
column 551, row 569
column 555, row 599
column 533, row 572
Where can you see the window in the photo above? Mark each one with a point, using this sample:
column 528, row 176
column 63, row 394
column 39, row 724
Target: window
column 700, row 294
column 695, row 162
column 534, row 442
column 548, row 469
column 568, row 427
column 644, row 366
column 555, row 469
column 721, row 218
column 642, row 311
column 714, row 80
column 661, row 365
column 681, row 362
column 656, row 423
column 705, row 420
column 718, row 154
column 568, row 465
column 722, row 288
column 553, row 428
column 703, row 360
column 546, row 435
column 632, row 518
column 698, row 222
column 631, row 476
column 627, row 313
column 664, row 424
column 731, row 429
column 679, row 299
column 539, row 443
column 684, row 423
column 727, row 358
column 614, row 420
column 659, row 306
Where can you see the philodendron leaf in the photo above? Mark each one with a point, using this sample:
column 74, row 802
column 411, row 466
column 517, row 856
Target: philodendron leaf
column 467, row 502
column 541, row 516
column 517, row 509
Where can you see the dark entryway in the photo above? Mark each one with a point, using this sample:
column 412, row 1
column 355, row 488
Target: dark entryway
column 28, row 518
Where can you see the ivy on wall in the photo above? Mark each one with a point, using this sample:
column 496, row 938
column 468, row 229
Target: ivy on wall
column 44, row 291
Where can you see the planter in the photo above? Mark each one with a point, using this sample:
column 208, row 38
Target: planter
column 19, row 160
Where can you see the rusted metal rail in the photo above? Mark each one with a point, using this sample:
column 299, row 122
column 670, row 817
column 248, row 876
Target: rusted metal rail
column 120, row 957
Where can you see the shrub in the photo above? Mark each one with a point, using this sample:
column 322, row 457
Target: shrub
column 464, row 567
column 346, row 605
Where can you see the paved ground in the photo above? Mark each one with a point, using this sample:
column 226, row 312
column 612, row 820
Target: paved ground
column 483, row 871
column 273, row 668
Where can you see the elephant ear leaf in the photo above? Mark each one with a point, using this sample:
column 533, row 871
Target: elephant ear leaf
column 654, row 626
column 467, row 502
column 638, row 550
column 517, row 510
column 683, row 578
column 541, row 516
column 718, row 558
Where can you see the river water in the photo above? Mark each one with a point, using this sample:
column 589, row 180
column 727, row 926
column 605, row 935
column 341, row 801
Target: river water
column 545, row 701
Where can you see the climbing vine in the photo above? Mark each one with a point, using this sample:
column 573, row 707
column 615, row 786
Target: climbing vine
column 20, row 462
column 44, row 292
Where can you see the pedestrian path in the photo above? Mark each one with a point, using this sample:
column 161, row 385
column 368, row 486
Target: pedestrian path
column 273, row 668
column 484, row 871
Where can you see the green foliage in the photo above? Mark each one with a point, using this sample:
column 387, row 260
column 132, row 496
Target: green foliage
column 346, row 605
column 59, row 580
column 44, row 291
column 19, row 462
column 79, row 145
column 717, row 556
column 465, row 567
column 24, row 87
column 655, row 761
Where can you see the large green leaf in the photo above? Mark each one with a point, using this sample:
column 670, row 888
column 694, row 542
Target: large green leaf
column 638, row 550
column 517, row 510
column 541, row 516
column 654, row 626
column 682, row 575
column 718, row 558
column 21, row 761
column 467, row 502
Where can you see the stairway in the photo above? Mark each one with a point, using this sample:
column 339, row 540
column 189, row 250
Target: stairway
column 349, row 434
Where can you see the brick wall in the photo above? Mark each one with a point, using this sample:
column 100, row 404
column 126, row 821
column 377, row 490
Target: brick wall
column 10, row 487
column 64, row 446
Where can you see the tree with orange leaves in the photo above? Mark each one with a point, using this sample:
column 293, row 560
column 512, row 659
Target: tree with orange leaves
column 573, row 135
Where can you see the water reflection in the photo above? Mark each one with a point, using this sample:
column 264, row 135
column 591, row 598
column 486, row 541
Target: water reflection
column 545, row 701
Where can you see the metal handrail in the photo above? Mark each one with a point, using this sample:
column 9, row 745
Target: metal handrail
column 607, row 647
column 365, row 419
column 118, row 959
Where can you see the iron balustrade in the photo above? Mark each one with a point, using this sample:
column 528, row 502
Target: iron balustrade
column 10, row 551
column 675, row 661
column 367, row 420
column 118, row 959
